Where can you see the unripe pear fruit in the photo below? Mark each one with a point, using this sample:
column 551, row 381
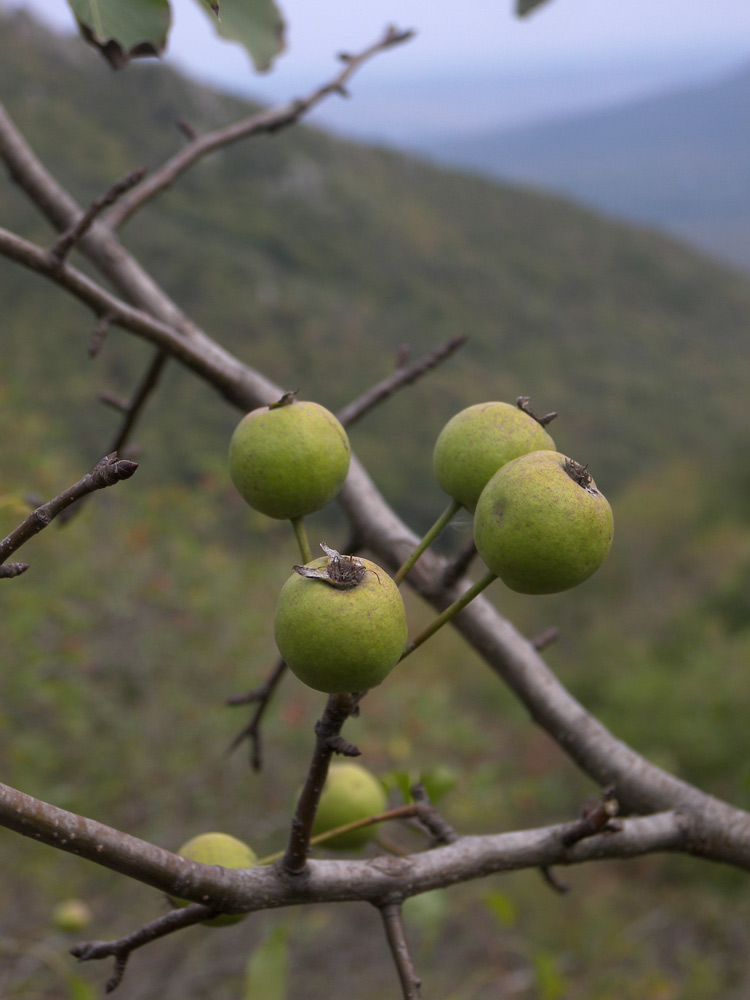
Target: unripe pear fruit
column 350, row 793
column 542, row 525
column 476, row 442
column 340, row 636
column 289, row 459
column 218, row 849
column 71, row 916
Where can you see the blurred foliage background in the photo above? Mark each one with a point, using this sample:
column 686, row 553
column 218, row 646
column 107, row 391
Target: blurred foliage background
column 316, row 260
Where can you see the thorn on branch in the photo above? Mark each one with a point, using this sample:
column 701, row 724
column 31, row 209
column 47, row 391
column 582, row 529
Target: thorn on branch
column 337, row 744
column 10, row 570
column 114, row 402
column 184, row 126
column 427, row 815
column 99, row 335
column 553, row 881
column 545, row 638
column 596, row 818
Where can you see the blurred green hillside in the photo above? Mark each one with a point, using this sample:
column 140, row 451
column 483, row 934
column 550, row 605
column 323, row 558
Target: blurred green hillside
column 315, row 261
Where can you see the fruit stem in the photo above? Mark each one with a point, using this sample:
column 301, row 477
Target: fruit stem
column 450, row 612
column 298, row 523
column 448, row 514
column 399, row 812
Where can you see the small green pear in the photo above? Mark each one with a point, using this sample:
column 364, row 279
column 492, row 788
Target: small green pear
column 340, row 624
column 476, row 442
column 350, row 793
column 71, row 916
column 289, row 459
column 542, row 525
column 218, row 849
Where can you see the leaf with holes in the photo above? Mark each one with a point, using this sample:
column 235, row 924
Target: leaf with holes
column 122, row 31
column 255, row 24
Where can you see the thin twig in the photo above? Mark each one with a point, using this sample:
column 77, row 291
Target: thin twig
column 459, row 565
column 107, row 472
column 595, row 818
column 546, row 638
column 327, row 742
column 261, row 697
column 394, row 931
column 271, row 120
column 68, row 239
column 122, row 948
column 401, row 377
column 438, row 828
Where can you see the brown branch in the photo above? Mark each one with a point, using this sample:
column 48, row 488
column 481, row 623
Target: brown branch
column 132, row 411
column 67, row 239
column 401, row 377
column 327, row 742
column 459, row 565
column 394, row 931
column 261, row 696
column 107, row 472
column 10, row 570
column 123, row 947
column 271, row 120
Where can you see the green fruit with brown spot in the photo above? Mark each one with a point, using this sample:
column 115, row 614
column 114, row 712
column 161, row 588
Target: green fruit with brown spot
column 542, row 525
column 341, row 639
column 289, row 459
column 350, row 793
column 476, row 442
column 218, row 849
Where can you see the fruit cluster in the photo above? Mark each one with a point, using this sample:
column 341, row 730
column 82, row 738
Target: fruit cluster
column 540, row 524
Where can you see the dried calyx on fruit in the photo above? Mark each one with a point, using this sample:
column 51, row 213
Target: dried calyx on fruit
column 542, row 525
column 340, row 623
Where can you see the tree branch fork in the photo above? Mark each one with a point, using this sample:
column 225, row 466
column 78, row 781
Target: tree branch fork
column 374, row 880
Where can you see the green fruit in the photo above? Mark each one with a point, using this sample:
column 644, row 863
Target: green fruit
column 218, row 849
column 350, row 793
column 475, row 443
column 542, row 525
column 290, row 459
column 341, row 638
column 71, row 916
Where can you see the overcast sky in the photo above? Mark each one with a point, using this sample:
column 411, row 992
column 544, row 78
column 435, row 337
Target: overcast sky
column 473, row 62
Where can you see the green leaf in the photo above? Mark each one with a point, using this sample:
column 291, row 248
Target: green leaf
column 267, row 968
column 501, row 907
column 123, row 29
column 256, row 24
column 79, row 989
column 549, row 981
column 524, row 7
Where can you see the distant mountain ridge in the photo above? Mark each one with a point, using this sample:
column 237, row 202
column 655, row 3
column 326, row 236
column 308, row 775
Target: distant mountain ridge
column 316, row 260
column 680, row 162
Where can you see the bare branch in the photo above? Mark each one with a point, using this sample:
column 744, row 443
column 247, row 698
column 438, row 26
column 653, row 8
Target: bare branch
column 401, row 377
column 67, row 240
column 107, row 472
column 271, row 120
column 122, row 948
column 261, row 696
column 372, row 880
column 394, row 931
